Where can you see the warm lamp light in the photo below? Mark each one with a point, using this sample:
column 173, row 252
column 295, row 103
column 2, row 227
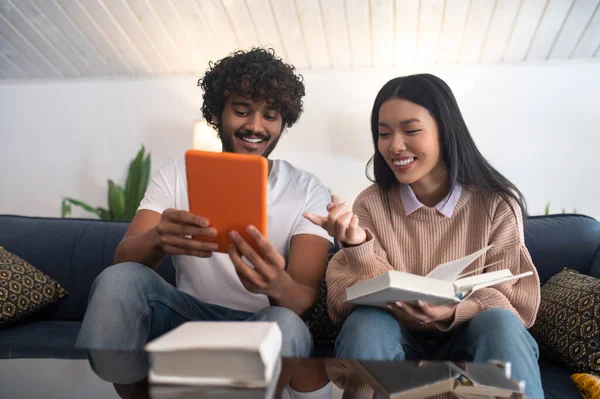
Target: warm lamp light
column 205, row 137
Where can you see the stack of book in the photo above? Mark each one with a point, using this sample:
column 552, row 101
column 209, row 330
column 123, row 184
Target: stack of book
column 216, row 355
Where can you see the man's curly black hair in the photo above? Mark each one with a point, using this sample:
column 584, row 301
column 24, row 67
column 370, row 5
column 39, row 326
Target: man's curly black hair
column 257, row 74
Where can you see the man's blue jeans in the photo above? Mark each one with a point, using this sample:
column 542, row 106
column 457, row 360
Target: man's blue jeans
column 494, row 334
column 130, row 304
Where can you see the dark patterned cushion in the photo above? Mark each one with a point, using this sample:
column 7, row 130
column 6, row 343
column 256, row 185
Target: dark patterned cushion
column 321, row 328
column 24, row 290
column 567, row 325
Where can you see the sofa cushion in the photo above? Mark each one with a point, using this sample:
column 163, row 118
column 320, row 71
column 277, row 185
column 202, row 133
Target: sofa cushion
column 568, row 322
column 557, row 241
column 556, row 382
column 319, row 323
column 24, row 290
column 322, row 329
column 41, row 339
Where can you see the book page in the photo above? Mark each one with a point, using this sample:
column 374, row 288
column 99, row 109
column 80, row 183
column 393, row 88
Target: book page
column 468, row 282
column 467, row 290
column 501, row 280
column 451, row 270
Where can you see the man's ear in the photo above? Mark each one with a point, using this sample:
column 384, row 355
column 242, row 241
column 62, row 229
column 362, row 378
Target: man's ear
column 215, row 120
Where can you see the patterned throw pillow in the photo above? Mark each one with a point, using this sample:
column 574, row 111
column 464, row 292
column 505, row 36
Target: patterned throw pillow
column 318, row 321
column 568, row 322
column 24, row 290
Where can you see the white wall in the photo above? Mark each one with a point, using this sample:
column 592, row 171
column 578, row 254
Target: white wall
column 538, row 124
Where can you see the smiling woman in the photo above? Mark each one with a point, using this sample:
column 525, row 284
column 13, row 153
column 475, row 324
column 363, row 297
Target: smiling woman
column 435, row 199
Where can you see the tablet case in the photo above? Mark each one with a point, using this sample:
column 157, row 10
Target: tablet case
column 230, row 190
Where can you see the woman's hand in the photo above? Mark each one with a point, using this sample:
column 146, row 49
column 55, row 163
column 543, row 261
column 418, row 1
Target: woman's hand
column 424, row 313
column 341, row 224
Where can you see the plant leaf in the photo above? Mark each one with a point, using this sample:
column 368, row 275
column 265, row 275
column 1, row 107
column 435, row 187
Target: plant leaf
column 122, row 204
column 145, row 175
column 136, row 161
column 120, row 193
column 142, row 185
column 547, row 210
column 116, row 200
column 104, row 214
column 67, row 202
column 65, row 208
column 132, row 184
column 81, row 204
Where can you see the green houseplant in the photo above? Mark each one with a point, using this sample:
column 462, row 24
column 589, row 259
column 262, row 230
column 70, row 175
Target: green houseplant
column 122, row 203
column 547, row 209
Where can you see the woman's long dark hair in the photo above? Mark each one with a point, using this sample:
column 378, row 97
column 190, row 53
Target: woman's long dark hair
column 465, row 163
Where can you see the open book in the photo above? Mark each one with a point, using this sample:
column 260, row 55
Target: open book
column 443, row 285
column 409, row 380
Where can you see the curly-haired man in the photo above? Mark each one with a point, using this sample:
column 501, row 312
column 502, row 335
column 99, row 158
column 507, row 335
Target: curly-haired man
column 250, row 98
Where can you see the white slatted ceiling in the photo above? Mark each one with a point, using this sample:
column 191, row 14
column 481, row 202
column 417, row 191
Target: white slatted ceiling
column 22, row 45
column 407, row 27
column 96, row 33
column 453, row 28
column 15, row 60
column 554, row 17
column 168, row 24
column 194, row 20
column 33, row 29
column 291, row 31
column 524, row 31
column 589, row 44
column 501, row 27
column 312, row 22
column 65, row 26
column 336, row 32
column 431, row 15
column 382, row 17
column 573, row 28
column 72, row 39
column 358, row 16
column 476, row 30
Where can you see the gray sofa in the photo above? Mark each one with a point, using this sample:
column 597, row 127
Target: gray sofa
column 75, row 251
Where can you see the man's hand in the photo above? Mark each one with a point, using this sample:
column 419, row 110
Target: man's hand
column 424, row 313
column 340, row 224
column 266, row 274
column 174, row 232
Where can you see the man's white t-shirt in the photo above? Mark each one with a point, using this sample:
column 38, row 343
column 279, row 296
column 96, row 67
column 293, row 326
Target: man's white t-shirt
column 290, row 193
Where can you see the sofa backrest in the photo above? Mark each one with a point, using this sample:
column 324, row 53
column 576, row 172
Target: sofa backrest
column 559, row 241
column 71, row 251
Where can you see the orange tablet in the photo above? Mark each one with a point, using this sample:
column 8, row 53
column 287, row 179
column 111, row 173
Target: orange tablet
column 230, row 190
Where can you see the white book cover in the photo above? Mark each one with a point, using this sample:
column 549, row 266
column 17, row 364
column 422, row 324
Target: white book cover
column 442, row 286
column 243, row 354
